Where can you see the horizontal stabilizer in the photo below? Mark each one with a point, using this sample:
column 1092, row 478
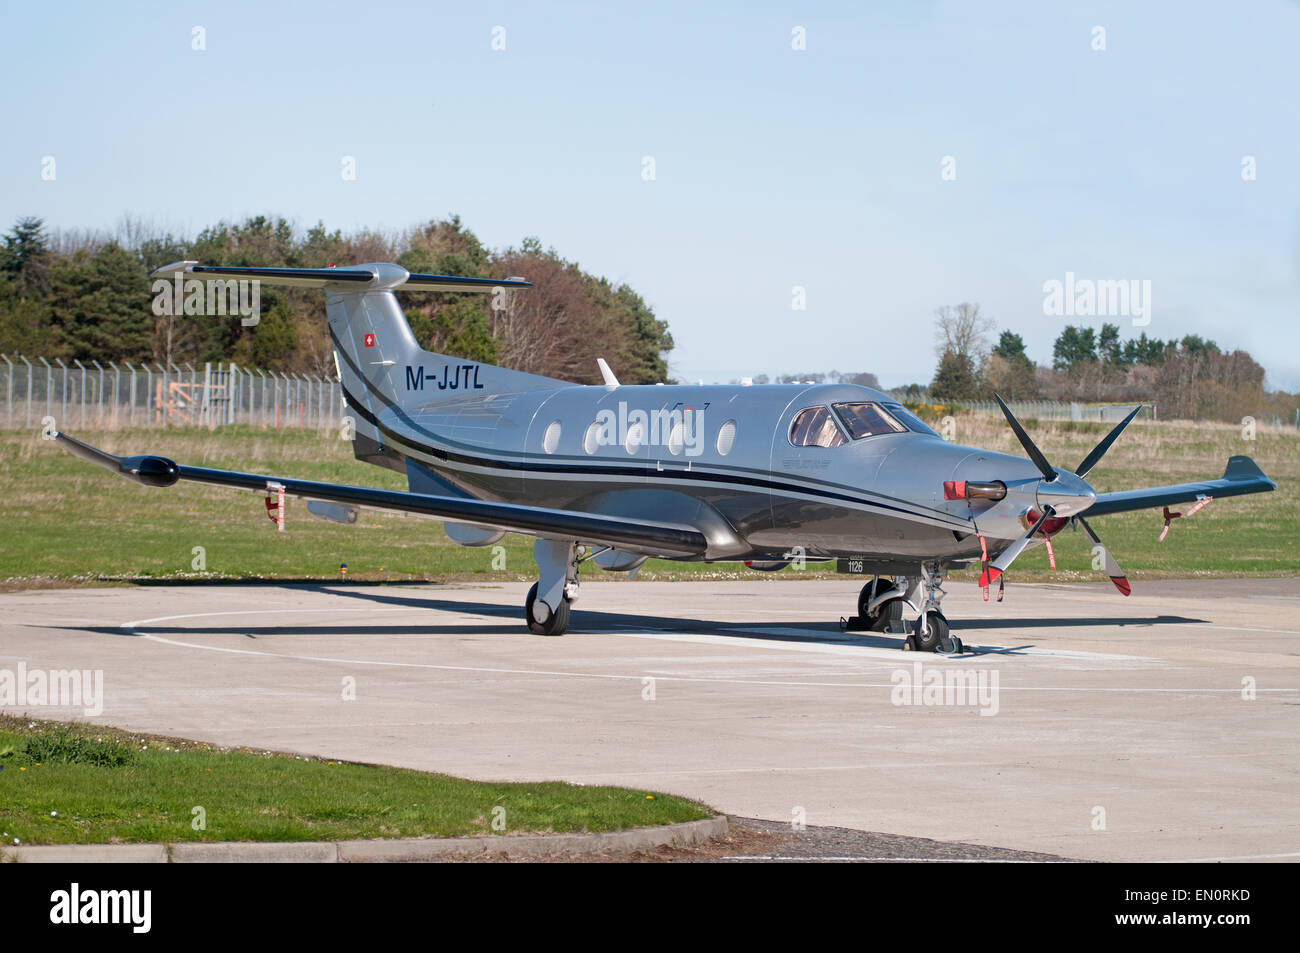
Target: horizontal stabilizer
column 354, row 277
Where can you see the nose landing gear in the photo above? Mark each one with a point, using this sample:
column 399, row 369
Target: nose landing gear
column 930, row 632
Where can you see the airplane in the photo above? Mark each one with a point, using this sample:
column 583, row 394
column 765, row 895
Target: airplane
column 616, row 474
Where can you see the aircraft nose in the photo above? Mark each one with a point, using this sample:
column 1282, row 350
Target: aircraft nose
column 1068, row 494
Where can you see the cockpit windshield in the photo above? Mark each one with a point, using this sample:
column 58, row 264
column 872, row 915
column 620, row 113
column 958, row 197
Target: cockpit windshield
column 815, row 427
column 867, row 420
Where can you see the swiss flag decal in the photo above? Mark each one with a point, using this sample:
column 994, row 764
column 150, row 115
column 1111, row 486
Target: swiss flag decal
column 370, row 340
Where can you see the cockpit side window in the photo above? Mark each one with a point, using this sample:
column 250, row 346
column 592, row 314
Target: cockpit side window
column 815, row 427
column 909, row 419
column 867, row 420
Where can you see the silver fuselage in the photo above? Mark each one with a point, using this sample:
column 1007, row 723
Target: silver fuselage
column 879, row 497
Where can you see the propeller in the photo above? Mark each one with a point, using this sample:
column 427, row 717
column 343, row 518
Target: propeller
column 1008, row 555
column 1031, row 448
column 1108, row 561
column 1099, row 451
column 1051, row 476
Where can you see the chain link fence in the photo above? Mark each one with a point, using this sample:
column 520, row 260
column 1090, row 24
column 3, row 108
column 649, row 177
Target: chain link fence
column 109, row 397
column 1061, row 410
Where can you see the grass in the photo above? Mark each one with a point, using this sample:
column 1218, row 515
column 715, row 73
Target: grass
column 78, row 784
column 70, row 523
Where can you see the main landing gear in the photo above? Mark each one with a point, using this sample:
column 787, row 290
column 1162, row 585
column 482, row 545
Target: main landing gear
column 547, row 605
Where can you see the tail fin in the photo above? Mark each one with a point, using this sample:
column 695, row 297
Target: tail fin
column 379, row 362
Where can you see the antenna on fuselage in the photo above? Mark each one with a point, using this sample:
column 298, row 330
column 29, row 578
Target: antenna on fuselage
column 610, row 380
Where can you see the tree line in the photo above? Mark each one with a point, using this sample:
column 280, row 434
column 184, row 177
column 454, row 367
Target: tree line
column 1189, row 377
column 86, row 296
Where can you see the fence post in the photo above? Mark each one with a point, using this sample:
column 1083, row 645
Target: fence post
column 83, row 392
column 9, row 396
column 29, row 390
column 49, row 384
column 132, row 370
column 99, row 417
column 63, row 387
column 117, row 388
column 205, row 404
column 148, row 396
column 232, row 392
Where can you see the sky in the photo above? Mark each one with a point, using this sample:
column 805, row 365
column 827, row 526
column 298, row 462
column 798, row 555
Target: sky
column 871, row 161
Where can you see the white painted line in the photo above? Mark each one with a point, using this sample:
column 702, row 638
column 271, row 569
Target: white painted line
column 901, row 860
column 812, row 640
column 551, row 673
column 1218, row 860
column 206, row 615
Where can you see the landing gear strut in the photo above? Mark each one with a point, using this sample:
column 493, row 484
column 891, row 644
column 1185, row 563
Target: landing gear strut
column 547, row 606
column 930, row 632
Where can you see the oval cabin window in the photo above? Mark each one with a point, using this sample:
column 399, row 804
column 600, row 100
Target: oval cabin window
column 726, row 437
column 552, row 438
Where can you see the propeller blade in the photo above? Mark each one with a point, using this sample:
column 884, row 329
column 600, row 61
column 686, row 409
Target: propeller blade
column 1008, row 555
column 1112, row 568
column 1099, row 451
column 1035, row 454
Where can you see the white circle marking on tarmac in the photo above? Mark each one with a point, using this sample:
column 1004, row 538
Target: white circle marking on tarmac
column 595, row 675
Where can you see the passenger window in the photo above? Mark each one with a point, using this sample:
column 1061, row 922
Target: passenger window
column 815, row 427
column 867, row 420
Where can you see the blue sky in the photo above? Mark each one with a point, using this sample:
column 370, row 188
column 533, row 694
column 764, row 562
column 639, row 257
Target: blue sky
column 774, row 168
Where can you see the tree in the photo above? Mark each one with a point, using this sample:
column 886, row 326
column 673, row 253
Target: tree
column 25, row 259
column 459, row 329
column 270, row 344
column 1195, row 344
column 1108, row 346
column 1010, row 346
column 955, row 378
column 101, row 306
column 961, row 329
column 1143, row 350
column 1074, row 346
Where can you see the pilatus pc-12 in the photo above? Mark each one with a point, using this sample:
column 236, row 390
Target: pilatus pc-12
column 617, row 474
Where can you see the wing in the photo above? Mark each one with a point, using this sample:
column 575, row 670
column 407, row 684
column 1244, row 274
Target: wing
column 1242, row 475
column 668, row 540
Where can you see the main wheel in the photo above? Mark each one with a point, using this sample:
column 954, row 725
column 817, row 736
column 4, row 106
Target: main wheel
column 886, row 612
column 555, row 623
column 937, row 632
